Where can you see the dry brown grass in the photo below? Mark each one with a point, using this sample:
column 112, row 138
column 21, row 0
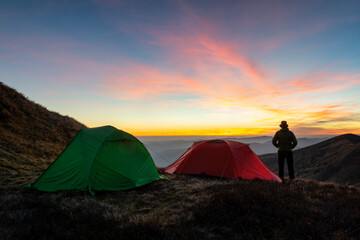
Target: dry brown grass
column 334, row 160
column 30, row 137
column 186, row 207
column 183, row 207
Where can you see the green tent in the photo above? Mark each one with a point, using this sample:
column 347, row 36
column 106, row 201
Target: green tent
column 97, row 159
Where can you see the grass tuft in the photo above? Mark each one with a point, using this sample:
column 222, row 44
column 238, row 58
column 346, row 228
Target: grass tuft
column 186, row 207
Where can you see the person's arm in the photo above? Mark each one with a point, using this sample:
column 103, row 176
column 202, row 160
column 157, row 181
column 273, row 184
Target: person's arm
column 293, row 141
column 275, row 140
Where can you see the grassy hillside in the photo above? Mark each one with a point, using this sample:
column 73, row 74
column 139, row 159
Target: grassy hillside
column 186, row 207
column 183, row 207
column 30, row 136
column 333, row 160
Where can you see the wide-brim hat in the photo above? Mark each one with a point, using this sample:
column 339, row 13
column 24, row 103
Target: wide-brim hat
column 283, row 124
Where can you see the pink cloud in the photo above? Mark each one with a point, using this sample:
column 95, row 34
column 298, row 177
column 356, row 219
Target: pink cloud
column 141, row 82
column 195, row 43
column 205, row 53
column 206, row 64
column 322, row 81
column 217, row 77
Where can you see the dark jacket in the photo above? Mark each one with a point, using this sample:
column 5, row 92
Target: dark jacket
column 284, row 140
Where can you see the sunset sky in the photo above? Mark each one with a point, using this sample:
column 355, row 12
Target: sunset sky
column 181, row 67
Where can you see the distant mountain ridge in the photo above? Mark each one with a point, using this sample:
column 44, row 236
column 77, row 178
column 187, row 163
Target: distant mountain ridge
column 333, row 160
column 29, row 133
column 268, row 147
column 165, row 152
column 31, row 137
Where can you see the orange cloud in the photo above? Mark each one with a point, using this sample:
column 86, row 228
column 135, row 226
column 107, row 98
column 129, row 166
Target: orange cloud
column 204, row 53
column 220, row 78
column 215, row 90
column 195, row 44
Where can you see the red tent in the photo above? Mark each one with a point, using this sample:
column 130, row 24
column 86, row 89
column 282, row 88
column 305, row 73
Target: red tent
column 223, row 158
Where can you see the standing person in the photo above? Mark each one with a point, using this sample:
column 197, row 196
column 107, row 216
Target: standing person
column 285, row 141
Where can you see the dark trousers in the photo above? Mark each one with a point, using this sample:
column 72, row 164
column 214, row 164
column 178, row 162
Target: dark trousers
column 288, row 155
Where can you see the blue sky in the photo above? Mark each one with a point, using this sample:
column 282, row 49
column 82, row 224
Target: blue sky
column 188, row 67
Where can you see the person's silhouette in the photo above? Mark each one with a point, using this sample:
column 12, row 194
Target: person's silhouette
column 285, row 141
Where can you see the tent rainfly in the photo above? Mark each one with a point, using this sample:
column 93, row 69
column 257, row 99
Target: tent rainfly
column 98, row 159
column 222, row 158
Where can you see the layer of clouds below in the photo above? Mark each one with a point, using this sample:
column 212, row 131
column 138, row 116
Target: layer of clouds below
column 166, row 150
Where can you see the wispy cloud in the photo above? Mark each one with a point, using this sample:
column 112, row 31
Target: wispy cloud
column 142, row 82
column 190, row 57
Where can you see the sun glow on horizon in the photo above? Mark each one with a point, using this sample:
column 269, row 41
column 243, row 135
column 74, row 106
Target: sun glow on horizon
column 188, row 68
